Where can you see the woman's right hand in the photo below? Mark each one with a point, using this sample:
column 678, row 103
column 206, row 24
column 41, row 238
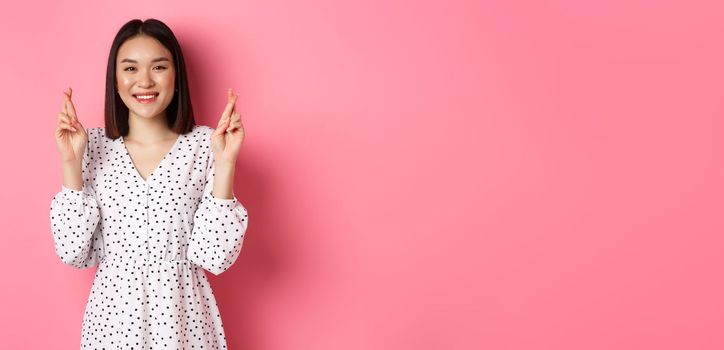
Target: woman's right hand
column 70, row 136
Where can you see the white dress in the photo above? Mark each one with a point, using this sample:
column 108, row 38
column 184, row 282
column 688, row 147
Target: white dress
column 151, row 241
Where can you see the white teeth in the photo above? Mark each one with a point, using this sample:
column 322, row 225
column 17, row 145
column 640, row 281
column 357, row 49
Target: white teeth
column 145, row 97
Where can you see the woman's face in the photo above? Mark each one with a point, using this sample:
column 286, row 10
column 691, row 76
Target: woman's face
column 144, row 66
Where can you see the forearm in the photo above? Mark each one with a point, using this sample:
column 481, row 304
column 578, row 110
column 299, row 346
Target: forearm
column 223, row 180
column 72, row 174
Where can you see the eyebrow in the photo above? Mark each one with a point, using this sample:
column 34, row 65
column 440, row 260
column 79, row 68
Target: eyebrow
column 154, row 60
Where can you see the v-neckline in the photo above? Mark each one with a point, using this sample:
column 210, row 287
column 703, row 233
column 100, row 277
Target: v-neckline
column 133, row 165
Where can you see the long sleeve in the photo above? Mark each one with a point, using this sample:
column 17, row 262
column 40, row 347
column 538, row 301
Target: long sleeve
column 74, row 218
column 218, row 230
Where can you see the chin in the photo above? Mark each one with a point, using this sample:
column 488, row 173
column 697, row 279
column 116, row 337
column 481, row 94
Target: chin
column 144, row 114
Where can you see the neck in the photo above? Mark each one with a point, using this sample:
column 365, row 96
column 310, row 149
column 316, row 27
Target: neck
column 148, row 130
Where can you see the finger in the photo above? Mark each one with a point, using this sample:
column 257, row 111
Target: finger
column 223, row 120
column 71, row 109
column 234, row 117
column 223, row 124
column 219, row 130
column 234, row 97
column 69, row 103
column 66, row 126
column 62, row 117
column 221, row 127
column 72, row 122
column 76, row 123
column 234, row 126
column 66, row 97
column 229, row 108
column 235, row 122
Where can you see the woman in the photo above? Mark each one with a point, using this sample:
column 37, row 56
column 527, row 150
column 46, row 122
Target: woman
column 149, row 200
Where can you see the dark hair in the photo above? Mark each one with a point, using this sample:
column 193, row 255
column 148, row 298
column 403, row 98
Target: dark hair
column 179, row 113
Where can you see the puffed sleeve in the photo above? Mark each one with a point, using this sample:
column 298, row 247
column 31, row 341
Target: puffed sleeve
column 218, row 229
column 74, row 219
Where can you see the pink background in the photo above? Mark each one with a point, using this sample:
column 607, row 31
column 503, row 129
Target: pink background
column 419, row 174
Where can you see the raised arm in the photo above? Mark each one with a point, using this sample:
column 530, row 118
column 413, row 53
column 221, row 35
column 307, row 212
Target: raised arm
column 75, row 222
column 74, row 211
column 218, row 230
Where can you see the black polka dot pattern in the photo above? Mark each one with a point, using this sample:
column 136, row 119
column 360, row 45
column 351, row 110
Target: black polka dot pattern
column 151, row 240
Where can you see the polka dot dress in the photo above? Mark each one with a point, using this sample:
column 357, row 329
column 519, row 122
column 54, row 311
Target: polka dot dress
column 151, row 240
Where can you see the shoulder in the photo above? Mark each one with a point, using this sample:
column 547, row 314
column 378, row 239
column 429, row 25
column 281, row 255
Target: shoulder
column 200, row 135
column 203, row 130
column 96, row 135
column 203, row 134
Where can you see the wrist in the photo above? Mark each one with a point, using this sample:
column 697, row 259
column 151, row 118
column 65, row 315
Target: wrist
column 222, row 158
column 224, row 165
column 71, row 165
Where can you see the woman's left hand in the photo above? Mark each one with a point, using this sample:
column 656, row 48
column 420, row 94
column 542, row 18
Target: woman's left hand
column 229, row 133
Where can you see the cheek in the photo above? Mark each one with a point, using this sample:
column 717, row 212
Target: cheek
column 123, row 81
column 168, row 81
column 170, row 77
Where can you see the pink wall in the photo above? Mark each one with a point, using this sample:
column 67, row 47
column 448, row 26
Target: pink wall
column 419, row 175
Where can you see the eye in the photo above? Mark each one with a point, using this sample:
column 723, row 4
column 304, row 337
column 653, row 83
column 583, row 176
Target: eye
column 127, row 68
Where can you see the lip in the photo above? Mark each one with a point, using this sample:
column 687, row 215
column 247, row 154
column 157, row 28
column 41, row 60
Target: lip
column 147, row 101
column 145, row 93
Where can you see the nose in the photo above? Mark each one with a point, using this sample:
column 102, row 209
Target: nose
column 144, row 80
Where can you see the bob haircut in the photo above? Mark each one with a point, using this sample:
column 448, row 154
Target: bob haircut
column 179, row 113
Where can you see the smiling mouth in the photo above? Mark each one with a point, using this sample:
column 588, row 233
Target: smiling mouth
column 145, row 99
